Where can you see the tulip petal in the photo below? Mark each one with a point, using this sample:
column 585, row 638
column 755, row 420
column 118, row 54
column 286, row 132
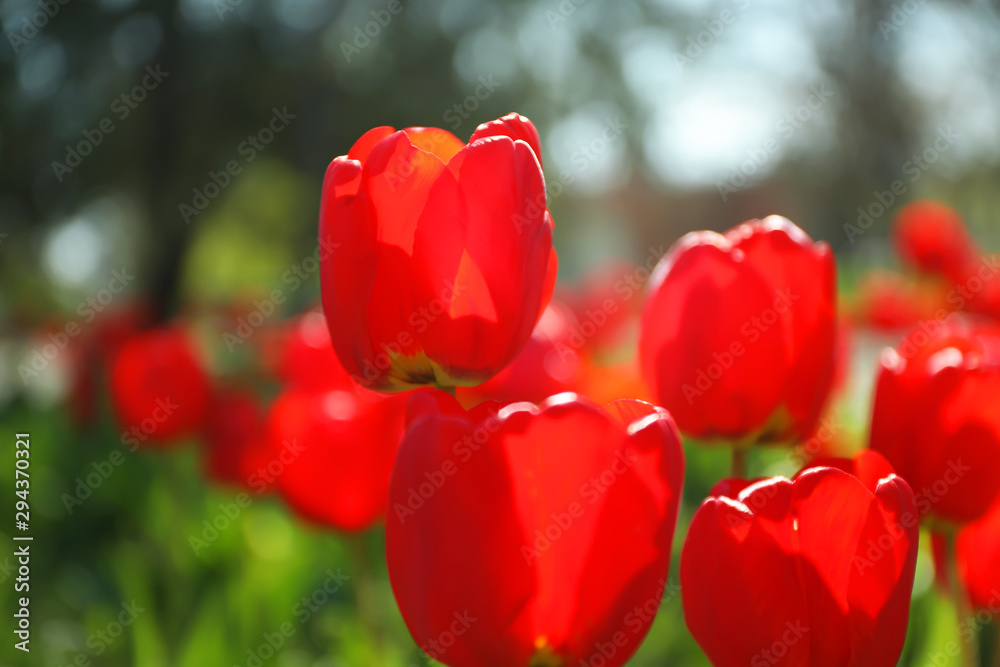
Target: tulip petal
column 933, row 238
column 806, row 273
column 485, row 266
column 157, row 366
column 397, row 180
column 936, row 418
column 707, row 348
column 348, row 235
column 572, row 498
column 433, row 559
column 364, row 145
column 740, row 581
column 559, row 516
column 969, row 450
column 336, row 453
column 233, row 445
column 441, row 143
column 514, row 126
column 831, row 508
column 817, row 572
column 871, row 468
column 631, row 552
column 881, row 582
column 979, row 560
column 628, row 410
column 551, row 274
column 480, row 257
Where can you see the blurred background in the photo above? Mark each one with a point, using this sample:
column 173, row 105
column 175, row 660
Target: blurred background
column 120, row 209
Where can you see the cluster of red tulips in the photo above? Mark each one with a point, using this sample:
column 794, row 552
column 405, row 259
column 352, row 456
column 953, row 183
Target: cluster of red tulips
column 444, row 388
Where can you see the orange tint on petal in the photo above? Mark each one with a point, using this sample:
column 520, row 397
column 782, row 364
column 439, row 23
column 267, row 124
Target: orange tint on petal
column 397, row 179
column 436, row 141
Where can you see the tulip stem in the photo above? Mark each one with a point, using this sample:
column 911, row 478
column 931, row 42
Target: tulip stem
column 996, row 647
column 959, row 596
column 364, row 595
column 739, row 470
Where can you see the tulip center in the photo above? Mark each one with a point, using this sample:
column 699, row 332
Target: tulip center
column 544, row 657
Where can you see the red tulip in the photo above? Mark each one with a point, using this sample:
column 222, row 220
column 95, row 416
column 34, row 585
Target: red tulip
column 332, row 454
column 979, row 560
column 538, row 535
column 977, row 295
column 933, row 238
column 307, row 360
column 158, row 386
column 978, row 553
column 936, row 418
column 737, row 336
column 235, row 445
column 332, row 442
column 812, row 572
column 436, row 256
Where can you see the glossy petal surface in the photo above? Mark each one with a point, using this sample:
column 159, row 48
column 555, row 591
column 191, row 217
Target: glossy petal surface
column 582, row 504
column 816, row 571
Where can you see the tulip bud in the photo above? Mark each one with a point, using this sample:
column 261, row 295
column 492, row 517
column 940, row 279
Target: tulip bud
column 816, row 571
column 436, row 257
column 936, row 418
column 234, row 444
column 158, row 387
column 738, row 332
column 536, row 535
column 979, row 560
column 331, row 442
column 933, row 238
